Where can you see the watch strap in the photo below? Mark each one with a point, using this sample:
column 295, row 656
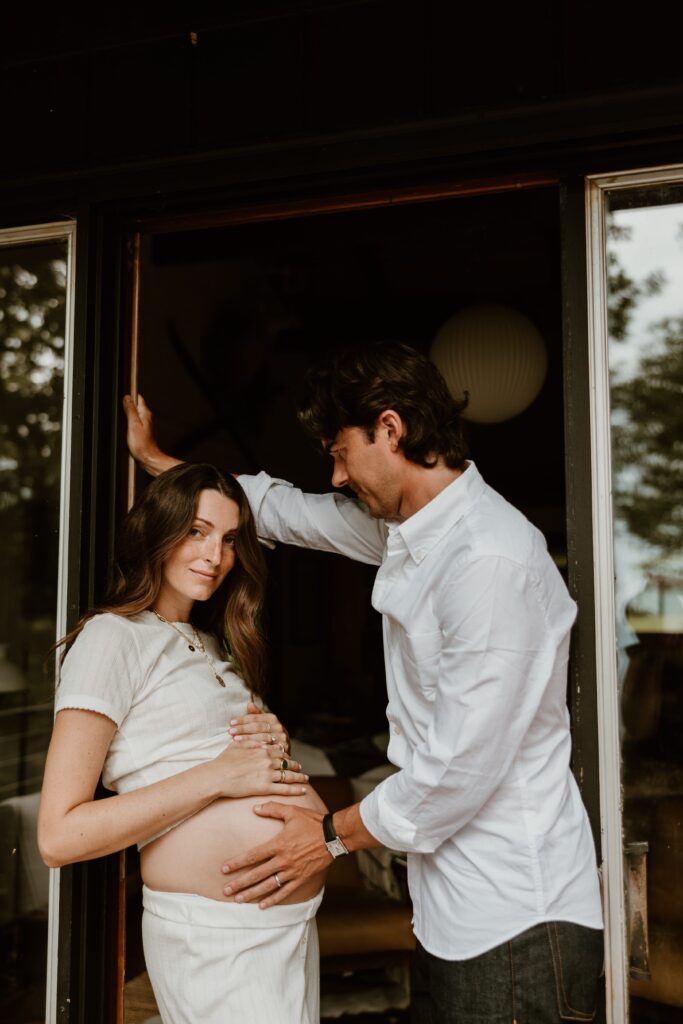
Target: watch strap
column 332, row 841
column 329, row 829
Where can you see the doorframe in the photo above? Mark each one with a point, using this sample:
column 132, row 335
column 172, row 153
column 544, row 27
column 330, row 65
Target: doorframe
column 255, row 211
column 609, row 747
column 109, row 309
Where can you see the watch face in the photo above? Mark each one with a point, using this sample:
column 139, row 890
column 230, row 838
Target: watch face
column 336, row 847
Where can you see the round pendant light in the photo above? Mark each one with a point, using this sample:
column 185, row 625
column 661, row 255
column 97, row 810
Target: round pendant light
column 494, row 353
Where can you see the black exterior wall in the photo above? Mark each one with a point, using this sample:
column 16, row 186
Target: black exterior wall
column 138, row 114
column 139, row 101
column 140, row 82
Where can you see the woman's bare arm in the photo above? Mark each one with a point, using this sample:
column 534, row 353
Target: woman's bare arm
column 74, row 827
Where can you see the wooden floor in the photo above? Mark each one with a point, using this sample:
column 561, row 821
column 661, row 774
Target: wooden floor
column 388, row 1017
column 139, row 1004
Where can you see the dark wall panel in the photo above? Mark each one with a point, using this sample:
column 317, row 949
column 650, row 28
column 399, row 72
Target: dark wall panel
column 480, row 55
column 126, row 83
column 367, row 64
column 249, row 82
column 140, row 101
column 45, row 108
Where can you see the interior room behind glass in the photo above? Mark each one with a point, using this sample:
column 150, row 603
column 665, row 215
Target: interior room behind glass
column 230, row 319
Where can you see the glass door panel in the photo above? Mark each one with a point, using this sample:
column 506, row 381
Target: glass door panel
column 34, row 324
column 642, row 313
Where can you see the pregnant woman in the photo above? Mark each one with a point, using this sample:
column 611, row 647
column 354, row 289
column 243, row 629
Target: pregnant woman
column 150, row 698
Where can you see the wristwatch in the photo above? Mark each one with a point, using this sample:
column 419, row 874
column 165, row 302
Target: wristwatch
column 332, row 840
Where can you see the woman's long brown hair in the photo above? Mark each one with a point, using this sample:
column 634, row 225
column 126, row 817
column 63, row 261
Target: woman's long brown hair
column 162, row 517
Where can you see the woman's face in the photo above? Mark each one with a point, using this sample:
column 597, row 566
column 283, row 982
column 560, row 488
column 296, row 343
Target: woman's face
column 197, row 565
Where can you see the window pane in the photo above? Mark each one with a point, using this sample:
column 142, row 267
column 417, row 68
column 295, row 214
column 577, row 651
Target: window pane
column 645, row 277
column 32, row 337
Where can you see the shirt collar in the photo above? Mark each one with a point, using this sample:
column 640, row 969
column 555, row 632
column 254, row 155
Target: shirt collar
column 421, row 531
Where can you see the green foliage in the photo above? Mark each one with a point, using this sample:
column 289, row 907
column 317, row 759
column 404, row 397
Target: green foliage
column 648, row 435
column 32, row 328
column 624, row 293
column 647, row 410
column 31, row 371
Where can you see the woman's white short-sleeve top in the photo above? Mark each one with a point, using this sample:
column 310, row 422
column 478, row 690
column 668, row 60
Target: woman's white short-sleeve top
column 170, row 710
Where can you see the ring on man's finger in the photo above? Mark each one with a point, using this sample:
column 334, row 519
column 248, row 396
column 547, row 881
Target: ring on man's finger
column 277, row 880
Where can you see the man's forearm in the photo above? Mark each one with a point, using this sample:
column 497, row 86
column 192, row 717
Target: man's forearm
column 349, row 826
column 142, row 443
column 157, row 462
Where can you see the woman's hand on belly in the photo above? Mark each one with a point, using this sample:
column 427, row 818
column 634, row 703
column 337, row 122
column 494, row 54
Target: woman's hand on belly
column 256, row 769
column 259, row 725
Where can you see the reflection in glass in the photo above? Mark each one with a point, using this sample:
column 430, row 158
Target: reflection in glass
column 645, row 287
column 32, row 331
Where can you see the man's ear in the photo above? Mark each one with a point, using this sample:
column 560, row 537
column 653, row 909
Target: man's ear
column 393, row 427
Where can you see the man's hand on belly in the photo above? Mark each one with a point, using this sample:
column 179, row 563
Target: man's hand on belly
column 298, row 853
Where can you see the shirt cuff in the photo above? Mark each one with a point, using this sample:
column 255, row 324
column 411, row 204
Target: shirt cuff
column 385, row 823
column 87, row 702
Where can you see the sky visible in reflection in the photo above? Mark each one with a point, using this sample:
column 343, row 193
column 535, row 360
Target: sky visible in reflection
column 651, row 243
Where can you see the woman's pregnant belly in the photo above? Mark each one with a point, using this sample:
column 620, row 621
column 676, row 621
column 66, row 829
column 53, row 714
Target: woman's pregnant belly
column 190, row 856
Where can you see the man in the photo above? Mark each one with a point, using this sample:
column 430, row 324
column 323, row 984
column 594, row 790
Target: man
column 476, row 620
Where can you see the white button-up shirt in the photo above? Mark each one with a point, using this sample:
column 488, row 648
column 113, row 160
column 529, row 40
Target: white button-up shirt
column 476, row 622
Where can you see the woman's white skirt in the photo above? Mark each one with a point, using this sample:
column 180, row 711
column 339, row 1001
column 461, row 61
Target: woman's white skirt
column 212, row 962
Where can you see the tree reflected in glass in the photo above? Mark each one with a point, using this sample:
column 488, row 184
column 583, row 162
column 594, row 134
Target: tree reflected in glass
column 32, row 329
column 645, row 289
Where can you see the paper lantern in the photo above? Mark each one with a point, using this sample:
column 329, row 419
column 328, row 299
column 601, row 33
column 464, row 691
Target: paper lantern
column 495, row 354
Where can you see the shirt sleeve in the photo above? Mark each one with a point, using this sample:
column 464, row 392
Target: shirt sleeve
column 325, row 522
column 101, row 671
column 496, row 662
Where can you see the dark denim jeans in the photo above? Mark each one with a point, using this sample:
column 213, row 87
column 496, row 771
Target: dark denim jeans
column 548, row 974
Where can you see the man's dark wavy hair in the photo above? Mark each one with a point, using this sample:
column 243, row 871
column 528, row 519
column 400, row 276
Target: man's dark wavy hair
column 352, row 387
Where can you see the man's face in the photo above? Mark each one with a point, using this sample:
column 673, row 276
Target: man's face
column 373, row 469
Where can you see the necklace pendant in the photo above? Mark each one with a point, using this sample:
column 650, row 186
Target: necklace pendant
column 197, row 644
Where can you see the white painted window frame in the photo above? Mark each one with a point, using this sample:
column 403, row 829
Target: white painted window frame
column 57, row 231
column 616, row 940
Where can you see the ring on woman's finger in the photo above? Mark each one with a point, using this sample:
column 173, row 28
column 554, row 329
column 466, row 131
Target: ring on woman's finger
column 277, row 880
column 284, row 764
column 282, row 775
column 271, row 739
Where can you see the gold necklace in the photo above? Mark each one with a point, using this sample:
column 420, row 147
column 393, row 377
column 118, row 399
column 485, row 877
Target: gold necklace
column 197, row 645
